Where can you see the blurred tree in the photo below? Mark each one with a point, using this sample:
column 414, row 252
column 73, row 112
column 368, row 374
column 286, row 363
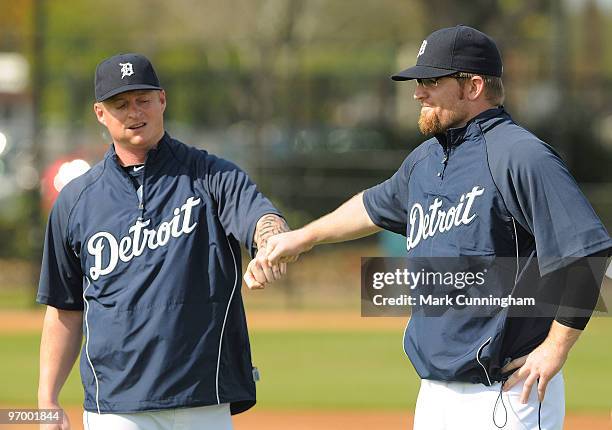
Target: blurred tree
column 15, row 25
column 310, row 77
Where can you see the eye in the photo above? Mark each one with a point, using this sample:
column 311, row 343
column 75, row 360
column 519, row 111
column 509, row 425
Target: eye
column 428, row 82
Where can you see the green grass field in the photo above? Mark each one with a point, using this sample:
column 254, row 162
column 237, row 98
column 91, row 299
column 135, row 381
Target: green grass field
column 16, row 298
column 331, row 370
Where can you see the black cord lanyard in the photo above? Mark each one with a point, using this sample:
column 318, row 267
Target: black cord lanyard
column 501, row 398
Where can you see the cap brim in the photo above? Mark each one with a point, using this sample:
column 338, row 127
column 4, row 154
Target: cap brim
column 421, row 72
column 126, row 88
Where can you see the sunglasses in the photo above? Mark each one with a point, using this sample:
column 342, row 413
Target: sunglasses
column 433, row 82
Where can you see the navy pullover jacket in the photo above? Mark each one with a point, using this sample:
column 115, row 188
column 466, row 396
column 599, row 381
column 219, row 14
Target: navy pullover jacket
column 158, row 279
column 489, row 189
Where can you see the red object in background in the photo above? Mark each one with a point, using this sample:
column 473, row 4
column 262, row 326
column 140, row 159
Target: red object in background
column 57, row 175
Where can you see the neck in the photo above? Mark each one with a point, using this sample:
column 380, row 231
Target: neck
column 475, row 111
column 129, row 155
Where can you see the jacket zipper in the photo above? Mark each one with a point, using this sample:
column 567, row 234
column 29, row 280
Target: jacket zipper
column 141, row 206
column 446, row 150
column 127, row 177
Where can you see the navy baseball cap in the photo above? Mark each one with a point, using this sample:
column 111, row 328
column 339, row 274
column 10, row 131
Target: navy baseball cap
column 124, row 72
column 455, row 49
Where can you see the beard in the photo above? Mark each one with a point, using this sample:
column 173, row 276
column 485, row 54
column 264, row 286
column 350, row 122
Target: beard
column 431, row 124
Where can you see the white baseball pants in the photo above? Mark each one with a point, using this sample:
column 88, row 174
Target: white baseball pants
column 215, row 417
column 458, row 406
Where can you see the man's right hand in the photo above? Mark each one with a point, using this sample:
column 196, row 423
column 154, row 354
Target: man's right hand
column 286, row 247
column 259, row 273
column 59, row 347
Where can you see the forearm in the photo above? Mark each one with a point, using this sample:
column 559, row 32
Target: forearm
column 562, row 338
column 349, row 221
column 582, row 281
column 268, row 226
column 59, row 348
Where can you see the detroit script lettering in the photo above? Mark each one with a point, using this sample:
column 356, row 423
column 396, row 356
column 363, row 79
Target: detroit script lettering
column 139, row 237
column 425, row 225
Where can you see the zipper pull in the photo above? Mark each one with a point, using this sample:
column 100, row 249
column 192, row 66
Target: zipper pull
column 446, row 149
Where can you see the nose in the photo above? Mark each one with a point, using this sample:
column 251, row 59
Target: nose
column 419, row 92
column 134, row 110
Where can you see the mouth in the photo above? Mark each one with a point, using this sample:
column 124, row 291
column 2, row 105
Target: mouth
column 137, row 126
column 429, row 109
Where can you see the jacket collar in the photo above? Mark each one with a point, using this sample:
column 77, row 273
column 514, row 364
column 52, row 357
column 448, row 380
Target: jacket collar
column 154, row 156
column 455, row 136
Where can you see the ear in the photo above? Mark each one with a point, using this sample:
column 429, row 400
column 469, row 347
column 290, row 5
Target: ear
column 99, row 111
column 475, row 87
column 162, row 99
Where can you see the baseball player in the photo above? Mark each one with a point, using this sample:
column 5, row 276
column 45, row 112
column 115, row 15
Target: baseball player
column 142, row 259
column 481, row 185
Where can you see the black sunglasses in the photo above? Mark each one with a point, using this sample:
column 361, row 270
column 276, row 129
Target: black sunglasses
column 433, row 82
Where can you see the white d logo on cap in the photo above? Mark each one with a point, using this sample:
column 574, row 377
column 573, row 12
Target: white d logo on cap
column 422, row 48
column 126, row 69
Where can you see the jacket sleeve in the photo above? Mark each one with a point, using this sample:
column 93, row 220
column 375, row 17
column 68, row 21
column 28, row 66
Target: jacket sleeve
column 239, row 203
column 61, row 278
column 543, row 197
column 386, row 203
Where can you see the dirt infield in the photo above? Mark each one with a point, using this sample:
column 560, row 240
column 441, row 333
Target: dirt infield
column 13, row 322
column 317, row 420
column 31, row 321
column 329, row 420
